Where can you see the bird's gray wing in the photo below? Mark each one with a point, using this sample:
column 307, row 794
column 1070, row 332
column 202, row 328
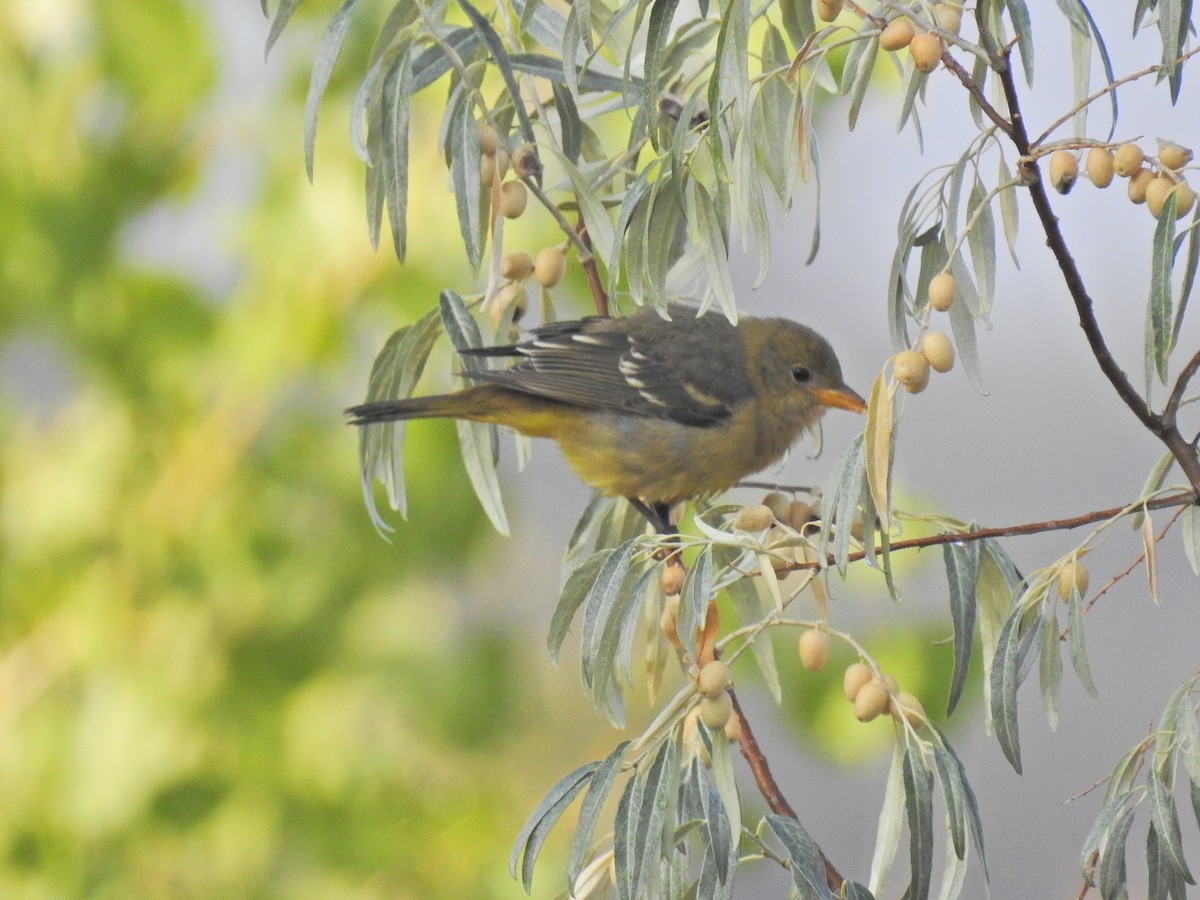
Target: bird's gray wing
column 619, row 366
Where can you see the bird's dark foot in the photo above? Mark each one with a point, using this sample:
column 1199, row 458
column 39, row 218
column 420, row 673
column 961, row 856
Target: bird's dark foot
column 657, row 514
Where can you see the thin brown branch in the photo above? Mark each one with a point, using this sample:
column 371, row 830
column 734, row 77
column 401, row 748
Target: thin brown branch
column 977, row 93
column 963, row 537
column 1107, row 89
column 1181, row 383
column 769, row 787
column 1124, row 573
column 1155, row 424
column 588, row 261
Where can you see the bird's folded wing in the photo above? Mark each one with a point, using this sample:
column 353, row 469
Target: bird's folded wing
column 604, row 370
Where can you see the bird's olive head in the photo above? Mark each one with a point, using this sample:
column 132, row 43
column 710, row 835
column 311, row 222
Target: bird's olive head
column 800, row 371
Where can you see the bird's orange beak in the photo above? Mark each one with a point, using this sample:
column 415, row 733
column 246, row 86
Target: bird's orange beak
column 840, row 398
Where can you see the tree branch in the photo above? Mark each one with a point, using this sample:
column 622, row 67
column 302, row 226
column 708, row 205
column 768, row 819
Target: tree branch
column 769, row 787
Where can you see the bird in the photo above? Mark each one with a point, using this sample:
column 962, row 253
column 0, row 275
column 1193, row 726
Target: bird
column 656, row 410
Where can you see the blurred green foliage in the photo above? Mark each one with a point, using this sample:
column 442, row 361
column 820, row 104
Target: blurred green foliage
column 216, row 679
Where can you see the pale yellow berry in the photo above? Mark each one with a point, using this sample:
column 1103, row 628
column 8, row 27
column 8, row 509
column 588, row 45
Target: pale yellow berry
column 512, row 294
column 814, row 649
column 1138, row 183
column 828, row 10
column 1185, row 199
column 1128, row 160
column 897, row 34
column 855, row 677
column 799, row 514
column 715, row 712
column 911, row 369
column 942, row 290
column 672, row 579
column 514, row 197
column 1157, row 191
column 733, row 730
column 550, row 266
column 778, row 504
column 1173, row 156
column 516, row 265
column 753, row 518
column 1100, row 167
column 949, row 16
column 1064, row 169
column 1072, row 577
column 713, row 678
column 926, row 50
column 871, row 700
column 489, row 138
column 906, row 705
column 938, row 350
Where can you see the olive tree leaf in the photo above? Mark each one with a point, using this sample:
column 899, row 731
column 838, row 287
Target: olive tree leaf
column 891, row 821
column 807, row 863
column 962, row 574
column 918, row 804
column 326, row 55
column 574, row 592
column 1160, row 327
column 533, row 833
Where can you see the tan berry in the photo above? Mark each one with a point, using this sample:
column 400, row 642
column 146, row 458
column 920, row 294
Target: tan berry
column 911, row 369
column 1138, row 183
column 526, row 162
column 938, row 350
column 715, row 712
column 778, row 503
column 799, row 514
column 908, row 706
column 669, row 623
column 942, row 290
column 1072, row 577
column 814, row 649
column 1128, row 160
column 514, row 197
column 516, row 265
column 1173, row 156
column 926, row 50
column 949, row 16
column 1100, row 167
column 855, row 677
column 487, row 169
column 672, row 580
column 713, row 678
column 1157, row 190
column 550, row 266
column 733, row 730
column 1185, row 199
column 753, row 518
column 871, row 700
column 512, row 294
column 489, row 138
column 828, row 10
column 897, row 34
column 1064, row 169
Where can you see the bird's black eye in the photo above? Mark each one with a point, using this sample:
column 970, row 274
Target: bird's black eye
column 801, row 375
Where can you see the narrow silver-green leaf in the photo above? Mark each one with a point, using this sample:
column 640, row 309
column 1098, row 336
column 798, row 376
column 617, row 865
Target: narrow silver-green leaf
column 1005, row 681
column 533, row 833
column 658, row 30
column 862, row 78
column 807, row 864
column 283, row 12
column 962, row 324
column 918, row 804
column 573, row 594
column 962, row 572
column 1009, row 214
column 709, row 233
column 326, row 55
column 974, row 819
column 1075, row 639
column 726, row 785
column 589, row 812
column 1111, row 878
column 587, row 80
column 394, row 146
column 394, row 375
column 952, row 791
column 1159, row 320
column 891, row 821
column 694, row 599
column 1166, row 823
column 1050, row 670
column 1165, row 882
column 464, row 172
column 1019, row 14
column 751, row 607
column 602, row 597
column 982, row 241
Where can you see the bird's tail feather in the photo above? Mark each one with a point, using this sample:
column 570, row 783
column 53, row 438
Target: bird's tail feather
column 461, row 405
